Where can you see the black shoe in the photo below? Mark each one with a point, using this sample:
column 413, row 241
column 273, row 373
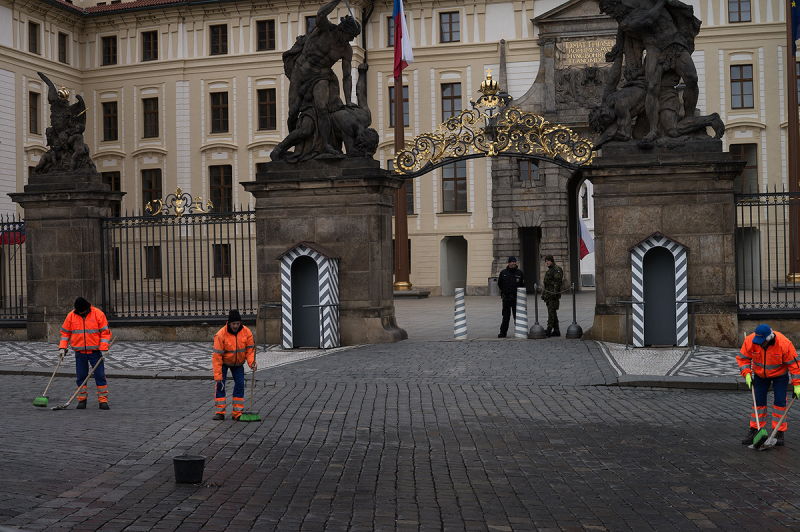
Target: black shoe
column 548, row 332
column 218, row 417
column 104, row 406
column 748, row 439
column 779, row 437
column 81, row 405
column 556, row 332
column 501, row 335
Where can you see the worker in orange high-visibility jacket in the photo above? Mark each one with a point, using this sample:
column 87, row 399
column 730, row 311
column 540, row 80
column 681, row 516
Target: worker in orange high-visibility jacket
column 233, row 346
column 768, row 357
column 86, row 331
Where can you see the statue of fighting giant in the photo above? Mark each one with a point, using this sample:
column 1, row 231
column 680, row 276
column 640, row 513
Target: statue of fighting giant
column 68, row 151
column 318, row 121
column 653, row 53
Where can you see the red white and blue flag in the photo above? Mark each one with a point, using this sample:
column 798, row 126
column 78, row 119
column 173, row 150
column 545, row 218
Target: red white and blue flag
column 403, row 56
column 587, row 243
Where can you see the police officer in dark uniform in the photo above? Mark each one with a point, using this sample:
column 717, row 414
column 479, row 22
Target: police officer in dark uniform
column 509, row 280
column 553, row 279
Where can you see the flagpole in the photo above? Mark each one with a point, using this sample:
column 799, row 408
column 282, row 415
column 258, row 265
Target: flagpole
column 791, row 151
column 401, row 273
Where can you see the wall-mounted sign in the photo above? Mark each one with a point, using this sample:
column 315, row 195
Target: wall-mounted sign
column 586, row 52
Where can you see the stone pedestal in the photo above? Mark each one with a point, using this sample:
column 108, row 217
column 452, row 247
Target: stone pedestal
column 685, row 193
column 344, row 205
column 62, row 245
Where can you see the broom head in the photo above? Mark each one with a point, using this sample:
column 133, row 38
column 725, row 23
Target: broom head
column 760, row 437
column 40, row 401
column 249, row 416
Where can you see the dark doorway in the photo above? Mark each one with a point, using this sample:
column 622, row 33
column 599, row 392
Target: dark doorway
column 305, row 291
column 659, row 297
column 453, row 264
column 530, row 239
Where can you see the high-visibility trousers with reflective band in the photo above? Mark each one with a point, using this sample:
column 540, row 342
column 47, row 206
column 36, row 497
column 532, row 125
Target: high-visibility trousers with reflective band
column 238, row 390
column 83, row 364
column 780, row 386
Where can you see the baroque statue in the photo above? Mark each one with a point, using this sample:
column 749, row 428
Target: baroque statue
column 651, row 56
column 318, row 121
column 68, row 151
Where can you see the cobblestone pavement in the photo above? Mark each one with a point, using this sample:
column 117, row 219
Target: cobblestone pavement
column 473, row 435
column 704, row 361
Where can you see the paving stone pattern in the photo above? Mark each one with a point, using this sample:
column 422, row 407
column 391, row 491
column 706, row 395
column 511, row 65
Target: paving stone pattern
column 409, row 436
column 150, row 356
column 704, row 361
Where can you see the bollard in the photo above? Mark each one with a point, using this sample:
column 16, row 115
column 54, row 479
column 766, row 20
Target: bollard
column 460, row 319
column 537, row 331
column 521, row 321
column 574, row 331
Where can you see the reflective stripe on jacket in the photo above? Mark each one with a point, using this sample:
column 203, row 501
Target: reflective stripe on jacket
column 232, row 349
column 85, row 334
column 776, row 360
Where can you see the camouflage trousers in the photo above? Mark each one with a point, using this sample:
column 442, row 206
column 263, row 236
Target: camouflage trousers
column 552, row 315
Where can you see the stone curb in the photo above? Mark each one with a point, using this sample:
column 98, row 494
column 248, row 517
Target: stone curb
column 689, row 383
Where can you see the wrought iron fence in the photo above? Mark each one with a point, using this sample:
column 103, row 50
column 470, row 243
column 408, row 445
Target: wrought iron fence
column 13, row 287
column 182, row 268
column 765, row 286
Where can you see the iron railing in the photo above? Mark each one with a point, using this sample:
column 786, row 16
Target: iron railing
column 13, row 278
column 764, row 254
column 190, row 268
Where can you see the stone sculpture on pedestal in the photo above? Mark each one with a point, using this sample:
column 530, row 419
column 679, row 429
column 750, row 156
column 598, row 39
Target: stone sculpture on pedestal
column 318, row 121
column 653, row 50
column 68, row 151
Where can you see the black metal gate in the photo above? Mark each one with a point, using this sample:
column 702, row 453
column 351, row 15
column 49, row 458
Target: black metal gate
column 161, row 268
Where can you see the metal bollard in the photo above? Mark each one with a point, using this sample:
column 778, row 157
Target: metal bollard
column 460, row 319
column 537, row 331
column 574, row 331
column 521, row 321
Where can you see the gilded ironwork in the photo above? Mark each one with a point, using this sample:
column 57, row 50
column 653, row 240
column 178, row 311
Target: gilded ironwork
column 491, row 129
column 180, row 202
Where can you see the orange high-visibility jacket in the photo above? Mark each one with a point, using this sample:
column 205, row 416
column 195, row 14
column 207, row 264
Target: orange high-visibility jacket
column 772, row 362
column 232, row 349
column 86, row 334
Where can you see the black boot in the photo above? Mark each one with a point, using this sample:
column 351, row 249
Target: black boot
column 748, row 439
column 81, row 405
column 548, row 332
column 104, row 406
column 779, row 437
column 556, row 332
column 501, row 335
column 218, row 417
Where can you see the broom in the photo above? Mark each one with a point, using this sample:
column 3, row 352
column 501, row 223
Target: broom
column 65, row 405
column 42, row 401
column 762, row 434
column 251, row 416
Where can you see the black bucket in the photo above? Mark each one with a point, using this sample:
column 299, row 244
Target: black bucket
column 189, row 468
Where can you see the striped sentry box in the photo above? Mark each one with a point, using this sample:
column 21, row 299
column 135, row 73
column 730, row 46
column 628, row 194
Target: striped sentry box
column 460, row 319
column 637, row 286
column 328, row 277
column 521, row 321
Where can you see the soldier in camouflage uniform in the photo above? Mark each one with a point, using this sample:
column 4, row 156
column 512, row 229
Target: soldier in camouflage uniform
column 553, row 279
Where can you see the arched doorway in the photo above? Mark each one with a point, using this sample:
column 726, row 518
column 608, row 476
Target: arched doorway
column 305, row 291
column 453, row 266
column 659, row 297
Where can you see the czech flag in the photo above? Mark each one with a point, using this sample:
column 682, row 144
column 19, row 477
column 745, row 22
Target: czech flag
column 587, row 244
column 8, row 238
column 403, row 56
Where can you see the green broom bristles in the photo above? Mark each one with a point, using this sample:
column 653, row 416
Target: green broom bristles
column 40, row 401
column 760, row 437
column 249, row 416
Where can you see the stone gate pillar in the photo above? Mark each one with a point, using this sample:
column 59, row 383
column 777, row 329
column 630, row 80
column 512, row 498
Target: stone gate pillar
column 685, row 192
column 344, row 205
column 62, row 245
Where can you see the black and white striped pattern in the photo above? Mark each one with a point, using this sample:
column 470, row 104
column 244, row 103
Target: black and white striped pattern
column 637, row 287
column 328, row 294
column 521, row 321
column 460, row 319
